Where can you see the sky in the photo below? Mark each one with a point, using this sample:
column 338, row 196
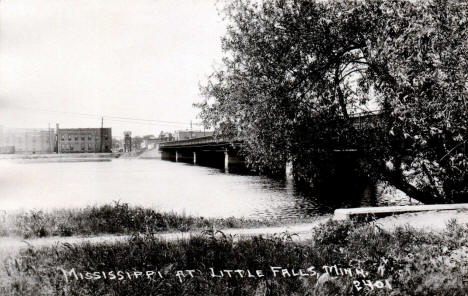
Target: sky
column 73, row 61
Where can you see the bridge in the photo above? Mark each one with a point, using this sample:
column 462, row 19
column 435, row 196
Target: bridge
column 206, row 150
column 219, row 152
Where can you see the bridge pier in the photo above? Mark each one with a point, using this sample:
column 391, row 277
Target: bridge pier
column 289, row 171
column 184, row 155
column 205, row 151
column 226, row 161
column 232, row 162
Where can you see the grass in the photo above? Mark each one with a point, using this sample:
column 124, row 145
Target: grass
column 116, row 218
column 413, row 262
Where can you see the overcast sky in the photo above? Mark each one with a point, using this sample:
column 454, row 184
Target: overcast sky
column 125, row 58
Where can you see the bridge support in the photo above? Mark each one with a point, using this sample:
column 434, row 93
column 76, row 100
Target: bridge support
column 226, row 161
column 232, row 162
column 289, row 171
column 183, row 155
column 205, row 151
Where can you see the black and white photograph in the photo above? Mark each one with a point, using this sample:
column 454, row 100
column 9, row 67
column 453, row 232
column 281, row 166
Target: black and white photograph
column 233, row 147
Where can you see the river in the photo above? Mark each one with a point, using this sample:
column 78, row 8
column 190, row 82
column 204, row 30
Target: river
column 164, row 186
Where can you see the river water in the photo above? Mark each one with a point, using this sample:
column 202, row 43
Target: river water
column 162, row 185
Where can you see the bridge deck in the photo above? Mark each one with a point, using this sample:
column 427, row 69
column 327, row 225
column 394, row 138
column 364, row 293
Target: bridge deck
column 195, row 142
column 360, row 121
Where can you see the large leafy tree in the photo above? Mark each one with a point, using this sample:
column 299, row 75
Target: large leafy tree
column 419, row 70
column 295, row 74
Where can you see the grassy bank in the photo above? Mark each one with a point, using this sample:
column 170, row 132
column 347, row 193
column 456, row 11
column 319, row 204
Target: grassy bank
column 368, row 260
column 116, row 218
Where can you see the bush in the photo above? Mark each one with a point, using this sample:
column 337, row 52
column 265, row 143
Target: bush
column 116, row 218
column 413, row 262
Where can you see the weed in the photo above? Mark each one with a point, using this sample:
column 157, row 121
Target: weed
column 414, row 262
column 116, row 218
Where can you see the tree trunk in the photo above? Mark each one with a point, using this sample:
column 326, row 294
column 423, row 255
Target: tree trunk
column 339, row 92
column 395, row 177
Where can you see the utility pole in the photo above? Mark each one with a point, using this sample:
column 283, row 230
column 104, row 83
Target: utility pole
column 191, row 134
column 102, row 126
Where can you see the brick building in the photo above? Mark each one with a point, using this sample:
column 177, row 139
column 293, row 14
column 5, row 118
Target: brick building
column 84, row 140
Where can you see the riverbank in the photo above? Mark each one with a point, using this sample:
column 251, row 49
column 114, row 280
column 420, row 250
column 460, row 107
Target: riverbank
column 429, row 221
column 123, row 219
column 58, row 156
column 337, row 258
column 119, row 218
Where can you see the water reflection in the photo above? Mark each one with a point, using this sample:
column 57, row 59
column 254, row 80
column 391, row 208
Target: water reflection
column 167, row 186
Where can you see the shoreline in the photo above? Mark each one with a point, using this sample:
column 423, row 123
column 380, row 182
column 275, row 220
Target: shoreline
column 57, row 156
column 391, row 254
column 430, row 221
column 120, row 218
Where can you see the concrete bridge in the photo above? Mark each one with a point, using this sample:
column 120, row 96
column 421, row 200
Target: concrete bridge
column 207, row 150
column 219, row 152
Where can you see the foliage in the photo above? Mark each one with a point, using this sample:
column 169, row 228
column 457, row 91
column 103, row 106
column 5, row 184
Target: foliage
column 420, row 71
column 116, row 218
column 414, row 262
column 296, row 74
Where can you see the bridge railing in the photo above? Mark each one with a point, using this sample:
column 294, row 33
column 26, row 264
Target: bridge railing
column 193, row 141
column 365, row 121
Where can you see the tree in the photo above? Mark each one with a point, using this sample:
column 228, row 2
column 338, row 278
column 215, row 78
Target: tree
column 296, row 72
column 419, row 70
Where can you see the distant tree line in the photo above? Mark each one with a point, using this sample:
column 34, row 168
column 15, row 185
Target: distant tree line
column 296, row 73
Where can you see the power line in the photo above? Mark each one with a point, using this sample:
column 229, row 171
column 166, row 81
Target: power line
column 146, row 123
column 116, row 118
column 152, row 120
column 89, row 116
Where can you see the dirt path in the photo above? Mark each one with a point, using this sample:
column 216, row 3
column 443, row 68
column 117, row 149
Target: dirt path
column 430, row 221
column 11, row 245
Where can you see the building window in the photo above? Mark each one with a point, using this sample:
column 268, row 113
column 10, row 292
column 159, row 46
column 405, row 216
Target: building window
column 63, row 138
column 82, row 138
column 69, row 137
column 76, row 138
column 89, row 138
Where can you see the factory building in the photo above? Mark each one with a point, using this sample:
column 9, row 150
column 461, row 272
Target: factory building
column 84, row 140
column 26, row 140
